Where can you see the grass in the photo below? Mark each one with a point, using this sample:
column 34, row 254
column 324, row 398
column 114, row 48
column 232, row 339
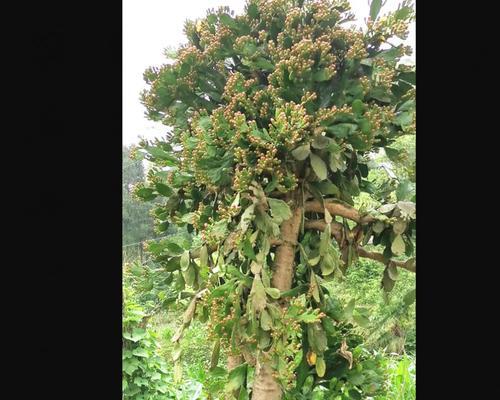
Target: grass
column 196, row 356
column 401, row 382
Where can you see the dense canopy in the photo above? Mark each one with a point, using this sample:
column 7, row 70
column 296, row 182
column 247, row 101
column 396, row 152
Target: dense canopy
column 276, row 117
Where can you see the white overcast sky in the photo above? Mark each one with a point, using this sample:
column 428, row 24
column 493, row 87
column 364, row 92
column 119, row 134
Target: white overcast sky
column 150, row 26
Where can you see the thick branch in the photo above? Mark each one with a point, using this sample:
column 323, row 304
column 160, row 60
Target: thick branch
column 339, row 209
column 337, row 232
column 412, row 267
column 320, row 225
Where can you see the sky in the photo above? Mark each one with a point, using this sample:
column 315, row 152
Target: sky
column 150, row 26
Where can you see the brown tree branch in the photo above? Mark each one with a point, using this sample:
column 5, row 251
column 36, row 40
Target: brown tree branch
column 336, row 229
column 380, row 258
column 339, row 209
column 320, row 225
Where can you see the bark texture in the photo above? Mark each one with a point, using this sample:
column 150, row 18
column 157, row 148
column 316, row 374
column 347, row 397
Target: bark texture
column 265, row 387
column 342, row 210
column 233, row 361
column 285, row 253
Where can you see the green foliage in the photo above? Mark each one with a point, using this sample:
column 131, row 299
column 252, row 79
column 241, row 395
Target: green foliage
column 402, row 379
column 145, row 372
column 196, row 352
column 392, row 316
column 381, row 377
column 275, row 118
column 364, row 380
column 137, row 224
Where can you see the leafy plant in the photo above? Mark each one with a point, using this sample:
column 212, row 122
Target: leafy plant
column 275, row 117
column 137, row 224
column 391, row 319
column 145, row 372
column 341, row 382
column 401, row 385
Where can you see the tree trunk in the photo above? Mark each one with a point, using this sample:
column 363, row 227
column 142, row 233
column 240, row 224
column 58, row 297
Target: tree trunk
column 265, row 386
column 233, row 361
column 285, row 253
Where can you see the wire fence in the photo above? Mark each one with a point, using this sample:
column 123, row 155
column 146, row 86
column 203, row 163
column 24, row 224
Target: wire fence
column 135, row 251
column 132, row 163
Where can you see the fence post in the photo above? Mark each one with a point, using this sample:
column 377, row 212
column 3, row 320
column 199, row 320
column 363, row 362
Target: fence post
column 140, row 251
